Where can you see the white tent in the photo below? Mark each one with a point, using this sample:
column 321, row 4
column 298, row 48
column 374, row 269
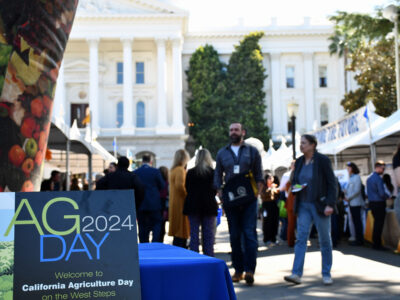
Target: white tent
column 354, row 129
column 390, row 126
column 375, row 137
column 283, row 156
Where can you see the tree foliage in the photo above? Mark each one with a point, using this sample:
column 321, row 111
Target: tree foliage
column 245, row 81
column 220, row 97
column 362, row 40
column 352, row 30
column 374, row 66
column 206, row 106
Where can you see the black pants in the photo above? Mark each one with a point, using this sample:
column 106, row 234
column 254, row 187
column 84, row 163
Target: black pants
column 179, row 242
column 378, row 211
column 356, row 215
column 149, row 221
column 271, row 221
column 335, row 231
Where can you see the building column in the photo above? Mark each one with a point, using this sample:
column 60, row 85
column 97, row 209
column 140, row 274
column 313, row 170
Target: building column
column 59, row 106
column 162, row 126
column 177, row 122
column 94, row 83
column 277, row 113
column 127, row 126
column 309, row 90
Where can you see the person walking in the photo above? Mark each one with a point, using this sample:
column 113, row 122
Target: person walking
column 122, row 179
column 377, row 203
column 179, row 226
column 233, row 159
column 270, row 210
column 149, row 214
column 200, row 205
column 315, row 202
column 353, row 195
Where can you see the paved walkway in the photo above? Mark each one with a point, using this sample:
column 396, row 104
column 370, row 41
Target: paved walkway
column 358, row 272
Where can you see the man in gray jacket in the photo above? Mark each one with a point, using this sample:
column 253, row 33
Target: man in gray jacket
column 233, row 159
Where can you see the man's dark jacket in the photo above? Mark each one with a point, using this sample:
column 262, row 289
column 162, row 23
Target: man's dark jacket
column 153, row 184
column 123, row 180
column 324, row 184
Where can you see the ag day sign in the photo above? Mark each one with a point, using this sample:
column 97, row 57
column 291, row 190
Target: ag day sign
column 68, row 245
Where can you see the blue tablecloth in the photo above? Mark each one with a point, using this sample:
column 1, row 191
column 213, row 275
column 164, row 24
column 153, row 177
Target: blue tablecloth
column 168, row 272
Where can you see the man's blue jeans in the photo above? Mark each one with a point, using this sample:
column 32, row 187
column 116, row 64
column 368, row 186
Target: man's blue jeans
column 307, row 214
column 242, row 223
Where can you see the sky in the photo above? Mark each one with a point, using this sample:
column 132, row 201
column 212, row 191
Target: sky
column 205, row 14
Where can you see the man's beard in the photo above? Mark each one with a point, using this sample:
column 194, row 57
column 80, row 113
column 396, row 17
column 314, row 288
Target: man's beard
column 235, row 138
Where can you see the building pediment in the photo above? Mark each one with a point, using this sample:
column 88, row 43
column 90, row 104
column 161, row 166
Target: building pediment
column 81, row 65
column 90, row 8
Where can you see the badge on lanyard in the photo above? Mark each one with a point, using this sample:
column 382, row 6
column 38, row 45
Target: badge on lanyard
column 236, row 169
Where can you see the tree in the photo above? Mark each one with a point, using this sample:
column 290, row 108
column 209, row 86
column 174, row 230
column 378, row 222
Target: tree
column 206, row 106
column 352, row 32
column 374, row 65
column 245, row 81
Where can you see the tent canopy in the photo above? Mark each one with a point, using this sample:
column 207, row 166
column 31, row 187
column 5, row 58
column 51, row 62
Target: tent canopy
column 385, row 137
column 355, row 129
column 363, row 135
column 60, row 133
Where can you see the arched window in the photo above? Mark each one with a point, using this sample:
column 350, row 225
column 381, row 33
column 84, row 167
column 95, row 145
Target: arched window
column 324, row 114
column 120, row 114
column 140, row 113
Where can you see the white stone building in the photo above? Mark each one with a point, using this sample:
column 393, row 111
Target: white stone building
column 126, row 62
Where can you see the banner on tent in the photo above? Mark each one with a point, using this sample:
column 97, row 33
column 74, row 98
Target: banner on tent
column 350, row 125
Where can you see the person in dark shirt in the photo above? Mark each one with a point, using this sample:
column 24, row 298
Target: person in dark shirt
column 233, row 159
column 122, row 179
column 315, row 203
column 149, row 214
column 200, row 205
column 377, row 202
column 53, row 183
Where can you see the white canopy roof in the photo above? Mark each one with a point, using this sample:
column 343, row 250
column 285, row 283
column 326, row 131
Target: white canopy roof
column 357, row 128
column 390, row 126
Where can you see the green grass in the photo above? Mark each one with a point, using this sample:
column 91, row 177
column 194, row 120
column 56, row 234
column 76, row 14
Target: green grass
column 6, row 258
column 6, row 270
column 6, row 287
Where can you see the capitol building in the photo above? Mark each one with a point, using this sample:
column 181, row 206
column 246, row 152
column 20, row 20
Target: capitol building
column 125, row 62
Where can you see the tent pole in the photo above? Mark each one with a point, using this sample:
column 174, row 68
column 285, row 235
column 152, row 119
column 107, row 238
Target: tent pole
column 90, row 170
column 67, row 165
column 336, row 164
column 373, row 156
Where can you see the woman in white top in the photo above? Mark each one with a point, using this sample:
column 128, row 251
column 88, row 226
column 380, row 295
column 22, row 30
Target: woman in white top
column 354, row 197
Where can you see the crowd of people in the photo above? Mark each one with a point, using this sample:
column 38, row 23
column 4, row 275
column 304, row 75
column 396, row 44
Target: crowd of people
column 307, row 199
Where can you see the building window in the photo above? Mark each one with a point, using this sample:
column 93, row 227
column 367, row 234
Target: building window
column 324, row 114
column 140, row 72
column 290, row 77
column 120, row 114
column 140, row 111
column 120, row 73
column 79, row 112
column 322, row 74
